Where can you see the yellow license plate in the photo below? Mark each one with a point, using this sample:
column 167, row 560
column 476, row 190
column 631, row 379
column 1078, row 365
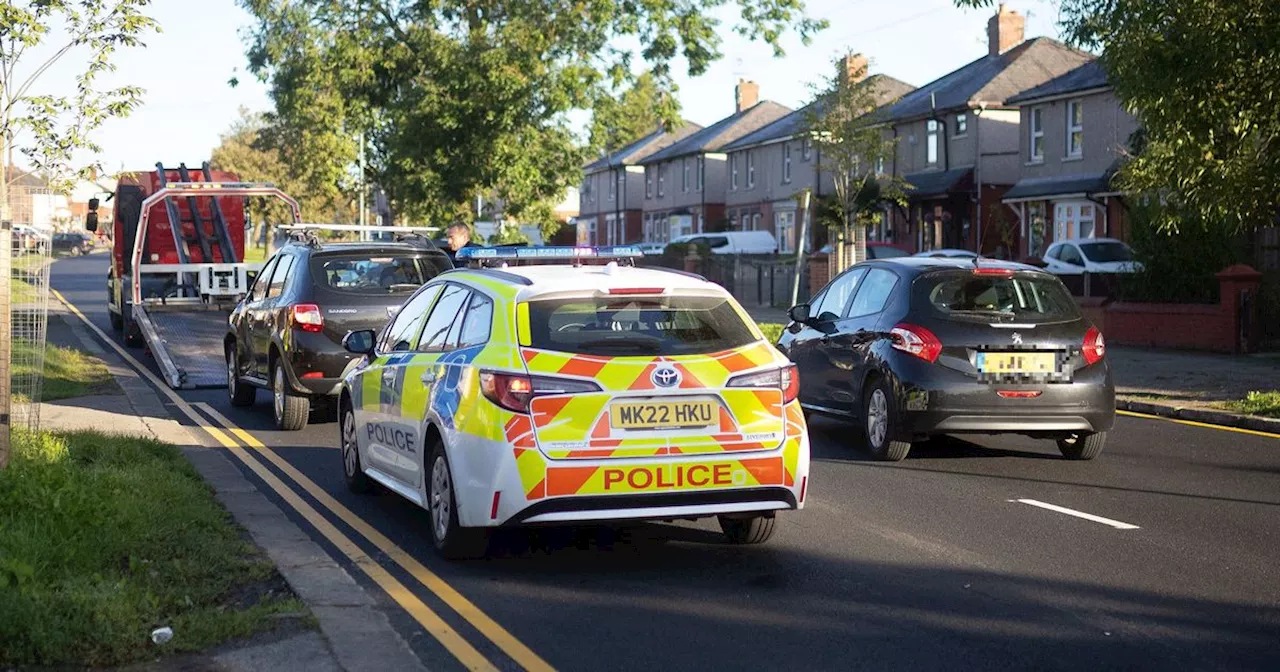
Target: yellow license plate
column 659, row 414
column 1017, row 362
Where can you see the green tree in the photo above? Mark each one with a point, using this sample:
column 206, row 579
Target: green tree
column 49, row 129
column 621, row 120
column 843, row 124
column 464, row 97
column 1202, row 78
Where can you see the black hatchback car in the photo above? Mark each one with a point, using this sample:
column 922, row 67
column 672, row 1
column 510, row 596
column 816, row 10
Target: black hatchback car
column 286, row 334
column 919, row 346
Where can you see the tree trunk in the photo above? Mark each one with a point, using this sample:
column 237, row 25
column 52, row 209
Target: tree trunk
column 6, row 317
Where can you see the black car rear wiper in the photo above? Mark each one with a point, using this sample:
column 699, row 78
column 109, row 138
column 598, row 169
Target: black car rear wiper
column 1000, row 314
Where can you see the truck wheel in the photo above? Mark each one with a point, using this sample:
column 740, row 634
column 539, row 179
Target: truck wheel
column 132, row 333
column 451, row 539
column 753, row 530
column 290, row 409
column 241, row 394
column 1082, row 446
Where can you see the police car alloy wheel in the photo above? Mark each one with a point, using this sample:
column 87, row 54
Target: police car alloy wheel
column 453, row 541
column 352, row 472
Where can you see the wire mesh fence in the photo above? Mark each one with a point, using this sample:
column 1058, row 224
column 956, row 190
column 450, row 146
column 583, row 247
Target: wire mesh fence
column 28, row 313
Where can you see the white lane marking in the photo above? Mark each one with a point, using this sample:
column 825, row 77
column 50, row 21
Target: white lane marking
column 1078, row 514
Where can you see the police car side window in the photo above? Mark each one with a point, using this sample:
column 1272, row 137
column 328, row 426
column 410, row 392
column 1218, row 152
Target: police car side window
column 435, row 335
column 399, row 336
column 478, row 322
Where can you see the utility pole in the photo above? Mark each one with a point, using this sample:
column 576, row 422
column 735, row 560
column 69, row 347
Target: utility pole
column 363, row 219
column 801, row 241
column 6, row 316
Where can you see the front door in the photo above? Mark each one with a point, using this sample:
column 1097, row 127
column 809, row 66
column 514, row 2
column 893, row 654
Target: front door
column 248, row 328
column 847, row 351
column 811, row 353
column 266, row 316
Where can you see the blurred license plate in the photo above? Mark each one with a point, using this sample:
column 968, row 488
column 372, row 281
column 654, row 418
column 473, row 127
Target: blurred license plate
column 655, row 414
column 1017, row 362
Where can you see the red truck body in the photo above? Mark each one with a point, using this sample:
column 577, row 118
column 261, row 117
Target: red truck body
column 159, row 247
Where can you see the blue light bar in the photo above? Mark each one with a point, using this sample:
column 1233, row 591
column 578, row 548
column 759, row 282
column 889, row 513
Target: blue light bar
column 548, row 253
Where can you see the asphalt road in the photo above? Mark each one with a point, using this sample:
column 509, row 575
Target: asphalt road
column 933, row 562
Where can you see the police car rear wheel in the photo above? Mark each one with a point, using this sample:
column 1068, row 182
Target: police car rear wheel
column 752, row 530
column 452, row 541
column 352, row 471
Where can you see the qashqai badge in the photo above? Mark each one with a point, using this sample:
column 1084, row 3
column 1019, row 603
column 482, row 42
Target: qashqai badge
column 666, row 376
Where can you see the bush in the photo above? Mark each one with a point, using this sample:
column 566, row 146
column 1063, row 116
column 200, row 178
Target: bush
column 1178, row 265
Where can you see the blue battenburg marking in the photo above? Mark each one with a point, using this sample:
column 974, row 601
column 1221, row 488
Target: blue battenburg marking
column 446, row 394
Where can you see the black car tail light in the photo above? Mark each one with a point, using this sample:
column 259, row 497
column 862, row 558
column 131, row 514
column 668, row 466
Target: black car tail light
column 786, row 378
column 307, row 317
column 1094, row 347
column 916, row 340
column 514, row 391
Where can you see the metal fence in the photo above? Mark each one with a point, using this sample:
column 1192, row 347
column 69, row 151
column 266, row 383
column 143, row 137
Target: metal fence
column 1093, row 285
column 28, row 312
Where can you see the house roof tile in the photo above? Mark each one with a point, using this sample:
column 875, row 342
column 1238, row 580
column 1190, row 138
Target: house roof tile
column 1091, row 75
column 642, row 148
column 888, row 89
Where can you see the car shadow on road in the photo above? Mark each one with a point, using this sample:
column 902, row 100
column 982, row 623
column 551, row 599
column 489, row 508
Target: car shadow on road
column 837, row 440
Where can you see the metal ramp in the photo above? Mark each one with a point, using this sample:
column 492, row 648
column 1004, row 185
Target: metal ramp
column 187, row 345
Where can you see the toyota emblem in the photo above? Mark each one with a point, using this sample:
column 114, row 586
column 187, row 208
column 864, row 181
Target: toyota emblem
column 1017, row 338
column 666, row 376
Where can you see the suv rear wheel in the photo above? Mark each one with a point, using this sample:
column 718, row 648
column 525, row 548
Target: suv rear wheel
column 290, row 409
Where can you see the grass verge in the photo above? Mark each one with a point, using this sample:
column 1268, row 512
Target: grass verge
column 254, row 254
column 772, row 331
column 67, row 372
column 104, row 538
column 1256, row 403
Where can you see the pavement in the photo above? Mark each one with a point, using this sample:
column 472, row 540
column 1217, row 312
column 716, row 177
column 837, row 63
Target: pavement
column 974, row 553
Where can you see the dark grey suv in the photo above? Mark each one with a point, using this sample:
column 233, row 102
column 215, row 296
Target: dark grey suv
column 914, row 347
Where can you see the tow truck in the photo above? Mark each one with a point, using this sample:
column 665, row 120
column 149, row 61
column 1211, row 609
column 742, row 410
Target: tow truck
column 177, row 265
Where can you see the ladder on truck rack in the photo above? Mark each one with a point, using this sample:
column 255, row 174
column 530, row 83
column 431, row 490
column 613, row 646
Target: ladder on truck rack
column 222, row 237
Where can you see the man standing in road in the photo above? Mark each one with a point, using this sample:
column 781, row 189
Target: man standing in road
column 458, row 236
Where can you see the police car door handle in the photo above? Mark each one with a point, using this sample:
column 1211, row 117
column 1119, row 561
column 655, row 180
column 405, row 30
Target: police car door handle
column 428, row 377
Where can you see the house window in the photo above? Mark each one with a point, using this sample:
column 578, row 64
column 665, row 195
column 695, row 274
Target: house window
column 733, row 172
column 1036, row 229
column 648, row 181
column 591, row 231
column 786, row 163
column 880, row 166
column 701, row 168
column 751, row 169
column 1073, row 219
column 684, row 174
column 613, row 185
column 586, row 188
column 755, row 222
column 784, row 226
column 733, row 222
column 931, row 142
column 662, row 179
column 1037, row 134
column 962, row 124
column 1075, row 128
column 806, row 149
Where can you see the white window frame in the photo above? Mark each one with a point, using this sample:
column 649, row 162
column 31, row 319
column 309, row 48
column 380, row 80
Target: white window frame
column 806, row 149
column 700, row 169
column 751, row 169
column 880, row 165
column 1071, row 223
column 786, row 163
column 784, row 229
column 1035, row 139
column 1073, row 128
column 613, row 185
column 648, row 181
column 733, row 172
column 662, row 179
column 961, row 118
column 755, row 222
column 931, row 142
column 591, row 231
column 684, row 174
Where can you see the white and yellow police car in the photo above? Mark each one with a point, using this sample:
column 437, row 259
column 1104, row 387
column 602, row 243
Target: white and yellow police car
column 566, row 392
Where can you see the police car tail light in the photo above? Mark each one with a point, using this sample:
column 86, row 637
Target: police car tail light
column 786, row 379
column 307, row 317
column 509, row 391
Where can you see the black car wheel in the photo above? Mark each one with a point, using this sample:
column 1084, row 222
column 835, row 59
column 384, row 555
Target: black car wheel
column 453, row 541
column 290, row 409
column 352, row 472
column 751, row 530
column 241, row 394
column 880, row 424
column 1082, row 446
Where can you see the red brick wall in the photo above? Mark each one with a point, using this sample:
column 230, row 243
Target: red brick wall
column 1169, row 325
column 633, row 226
column 819, row 273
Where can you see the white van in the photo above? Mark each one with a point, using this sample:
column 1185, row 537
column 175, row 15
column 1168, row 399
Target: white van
column 733, row 242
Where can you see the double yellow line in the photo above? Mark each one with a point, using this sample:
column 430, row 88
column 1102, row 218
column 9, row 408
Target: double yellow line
column 453, row 641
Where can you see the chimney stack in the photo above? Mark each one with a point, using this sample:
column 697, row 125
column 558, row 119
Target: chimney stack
column 852, row 69
column 746, row 94
column 1004, row 30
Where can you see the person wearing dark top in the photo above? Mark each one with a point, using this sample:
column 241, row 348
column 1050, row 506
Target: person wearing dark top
column 458, row 236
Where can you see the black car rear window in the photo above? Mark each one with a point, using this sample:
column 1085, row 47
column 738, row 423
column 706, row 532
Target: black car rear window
column 1021, row 297
column 637, row 326
column 377, row 275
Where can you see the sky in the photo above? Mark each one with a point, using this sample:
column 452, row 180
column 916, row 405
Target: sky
column 188, row 103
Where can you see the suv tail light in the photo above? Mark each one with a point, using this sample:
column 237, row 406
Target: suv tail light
column 1094, row 347
column 514, row 391
column 307, row 317
column 917, row 341
column 786, row 378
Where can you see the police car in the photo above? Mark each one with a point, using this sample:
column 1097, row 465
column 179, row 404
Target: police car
column 564, row 392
